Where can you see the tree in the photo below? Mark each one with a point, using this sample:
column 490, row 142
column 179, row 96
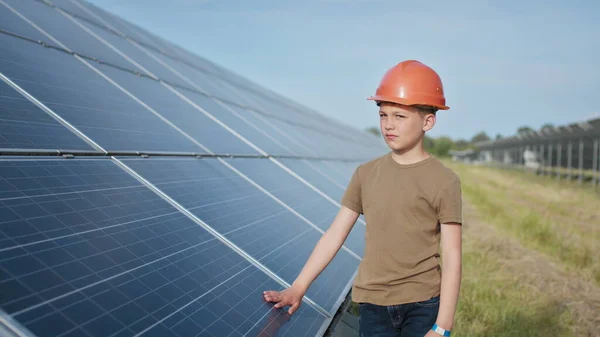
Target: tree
column 499, row 136
column 547, row 126
column 480, row 137
column 442, row 146
column 524, row 130
column 429, row 144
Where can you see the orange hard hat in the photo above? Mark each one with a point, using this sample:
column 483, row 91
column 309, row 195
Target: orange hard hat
column 411, row 83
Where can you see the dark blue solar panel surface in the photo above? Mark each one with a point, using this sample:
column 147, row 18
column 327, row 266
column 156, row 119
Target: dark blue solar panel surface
column 136, row 54
column 317, row 173
column 10, row 22
column 179, row 112
column 297, row 195
column 256, row 134
column 295, row 133
column 67, row 32
column 89, row 102
column 86, row 250
column 23, row 125
column 73, row 9
column 116, row 23
column 249, row 218
column 282, row 135
column 206, row 81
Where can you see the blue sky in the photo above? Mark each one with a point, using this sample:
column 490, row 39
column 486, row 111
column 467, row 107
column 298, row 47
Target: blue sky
column 503, row 65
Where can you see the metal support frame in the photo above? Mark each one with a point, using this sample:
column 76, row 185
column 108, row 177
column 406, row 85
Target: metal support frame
column 595, row 166
column 542, row 162
column 569, row 159
column 559, row 160
column 550, row 167
column 580, row 159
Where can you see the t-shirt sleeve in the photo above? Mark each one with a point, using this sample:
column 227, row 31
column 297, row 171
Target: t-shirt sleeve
column 353, row 196
column 450, row 202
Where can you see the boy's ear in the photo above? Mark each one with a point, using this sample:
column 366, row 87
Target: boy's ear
column 428, row 122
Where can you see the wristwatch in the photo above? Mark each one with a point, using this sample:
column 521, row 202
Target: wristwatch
column 441, row 331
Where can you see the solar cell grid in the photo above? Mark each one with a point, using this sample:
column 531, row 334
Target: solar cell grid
column 183, row 115
column 88, row 250
column 249, row 218
column 311, row 205
column 23, row 125
column 67, row 32
column 86, row 100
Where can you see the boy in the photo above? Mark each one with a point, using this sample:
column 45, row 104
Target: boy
column 409, row 200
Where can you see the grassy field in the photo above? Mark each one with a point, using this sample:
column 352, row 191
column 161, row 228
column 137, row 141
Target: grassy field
column 531, row 261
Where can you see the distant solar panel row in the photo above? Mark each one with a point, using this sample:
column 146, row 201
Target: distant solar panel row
column 112, row 244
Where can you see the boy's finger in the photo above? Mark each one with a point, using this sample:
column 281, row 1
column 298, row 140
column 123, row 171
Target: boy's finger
column 294, row 308
column 272, row 297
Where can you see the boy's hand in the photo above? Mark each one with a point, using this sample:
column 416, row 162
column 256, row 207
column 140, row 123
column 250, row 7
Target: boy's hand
column 290, row 296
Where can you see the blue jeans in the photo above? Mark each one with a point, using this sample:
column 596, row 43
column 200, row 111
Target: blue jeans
column 403, row 320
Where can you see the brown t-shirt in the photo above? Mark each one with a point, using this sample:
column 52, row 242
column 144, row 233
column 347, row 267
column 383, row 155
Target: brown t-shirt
column 403, row 207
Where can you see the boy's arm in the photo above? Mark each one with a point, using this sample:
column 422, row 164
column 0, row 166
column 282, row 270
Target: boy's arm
column 451, row 237
column 450, row 216
column 327, row 247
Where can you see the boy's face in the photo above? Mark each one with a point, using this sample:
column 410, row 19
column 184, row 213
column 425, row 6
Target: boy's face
column 403, row 126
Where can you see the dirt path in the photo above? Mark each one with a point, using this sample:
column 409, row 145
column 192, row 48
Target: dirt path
column 536, row 270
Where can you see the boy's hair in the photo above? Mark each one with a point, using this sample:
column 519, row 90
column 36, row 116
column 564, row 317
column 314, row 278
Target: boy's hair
column 422, row 109
column 426, row 110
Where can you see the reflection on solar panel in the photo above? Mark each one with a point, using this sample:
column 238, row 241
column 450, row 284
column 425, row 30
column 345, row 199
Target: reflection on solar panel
column 145, row 191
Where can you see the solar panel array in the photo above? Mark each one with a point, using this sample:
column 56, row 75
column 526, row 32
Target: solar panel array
column 145, row 191
column 574, row 145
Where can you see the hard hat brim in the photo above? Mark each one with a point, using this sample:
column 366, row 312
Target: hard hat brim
column 380, row 98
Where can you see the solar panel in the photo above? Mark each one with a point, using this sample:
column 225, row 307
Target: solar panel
column 86, row 249
column 164, row 218
column 237, row 209
column 63, row 29
column 182, row 114
column 10, row 22
column 320, row 175
column 23, row 125
column 310, row 204
column 86, row 100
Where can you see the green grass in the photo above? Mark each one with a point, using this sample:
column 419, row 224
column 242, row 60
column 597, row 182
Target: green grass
column 494, row 303
column 524, row 222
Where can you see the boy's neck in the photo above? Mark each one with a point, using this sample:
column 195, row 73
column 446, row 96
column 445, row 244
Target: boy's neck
column 410, row 156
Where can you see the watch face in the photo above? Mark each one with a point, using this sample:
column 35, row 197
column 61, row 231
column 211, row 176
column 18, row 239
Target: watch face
column 439, row 330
